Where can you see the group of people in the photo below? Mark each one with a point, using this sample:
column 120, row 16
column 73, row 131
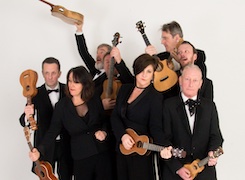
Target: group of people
column 81, row 132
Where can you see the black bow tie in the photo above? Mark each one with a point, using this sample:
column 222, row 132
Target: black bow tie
column 192, row 105
column 52, row 90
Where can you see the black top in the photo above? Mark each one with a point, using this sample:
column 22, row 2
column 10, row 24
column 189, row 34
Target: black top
column 82, row 130
column 143, row 115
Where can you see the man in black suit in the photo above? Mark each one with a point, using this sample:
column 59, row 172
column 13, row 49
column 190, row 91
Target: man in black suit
column 187, row 54
column 43, row 105
column 195, row 128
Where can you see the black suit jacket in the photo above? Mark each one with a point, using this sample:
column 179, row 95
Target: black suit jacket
column 83, row 141
column 206, row 135
column 44, row 112
column 200, row 62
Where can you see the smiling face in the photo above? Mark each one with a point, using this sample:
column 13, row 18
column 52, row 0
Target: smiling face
column 186, row 54
column 190, row 81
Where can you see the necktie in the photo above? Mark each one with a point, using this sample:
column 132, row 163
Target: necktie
column 192, row 105
column 52, row 90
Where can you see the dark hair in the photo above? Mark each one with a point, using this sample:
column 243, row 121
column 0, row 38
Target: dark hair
column 143, row 61
column 81, row 75
column 173, row 28
column 51, row 60
column 193, row 47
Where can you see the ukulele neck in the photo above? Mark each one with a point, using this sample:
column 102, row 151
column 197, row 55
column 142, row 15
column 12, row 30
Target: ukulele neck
column 147, row 42
column 203, row 161
column 47, row 3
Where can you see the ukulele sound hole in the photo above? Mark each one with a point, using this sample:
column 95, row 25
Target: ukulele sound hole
column 139, row 144
column 163, row 79
column 27, row 88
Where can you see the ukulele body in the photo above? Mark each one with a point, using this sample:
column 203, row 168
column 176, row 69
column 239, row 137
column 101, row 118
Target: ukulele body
column 46, row 172
column 111, row 92
column 194, row 168
column 67, row 16
column 165, row 78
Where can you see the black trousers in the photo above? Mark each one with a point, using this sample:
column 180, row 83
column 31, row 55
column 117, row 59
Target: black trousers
column 133, row 167
column 96, row 167
column 64, row 162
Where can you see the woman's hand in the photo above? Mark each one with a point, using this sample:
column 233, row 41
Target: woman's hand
column 100, row 135
column 127, row 141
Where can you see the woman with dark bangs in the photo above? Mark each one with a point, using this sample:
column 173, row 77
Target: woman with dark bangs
column 82, row 115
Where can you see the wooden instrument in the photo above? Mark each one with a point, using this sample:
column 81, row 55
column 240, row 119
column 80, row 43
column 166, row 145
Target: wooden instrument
column 142, row 146
column 28, row 80
column 43, row 169
column 197, row 166
column 111, row 85
column 164, row 77
column 64, row 14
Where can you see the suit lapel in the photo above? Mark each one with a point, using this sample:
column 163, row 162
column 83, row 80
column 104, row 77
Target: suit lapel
column 45, row 97
column 198, row 118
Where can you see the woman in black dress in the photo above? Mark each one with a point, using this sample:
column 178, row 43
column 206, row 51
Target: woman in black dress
column 139, row 107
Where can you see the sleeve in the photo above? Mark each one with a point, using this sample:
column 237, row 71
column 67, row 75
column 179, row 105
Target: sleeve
column 54, row 129
column 125, row 74
column 83, row 51
column 173, row 163
column 216, row 138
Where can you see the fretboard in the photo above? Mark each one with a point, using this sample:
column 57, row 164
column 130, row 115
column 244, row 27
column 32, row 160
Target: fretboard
column 152, row 147
column 147, row 42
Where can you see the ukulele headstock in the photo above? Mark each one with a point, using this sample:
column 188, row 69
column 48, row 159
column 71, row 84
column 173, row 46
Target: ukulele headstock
column 141, row 27
column 218, row 152
column 116, row 39
column 179, row 153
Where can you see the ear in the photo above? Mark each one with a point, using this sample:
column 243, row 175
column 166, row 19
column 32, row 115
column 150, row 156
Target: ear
column 194, row 57
column 200, row 85
column 59, row 73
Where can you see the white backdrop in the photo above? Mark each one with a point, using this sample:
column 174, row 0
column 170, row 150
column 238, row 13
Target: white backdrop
column 29, row 34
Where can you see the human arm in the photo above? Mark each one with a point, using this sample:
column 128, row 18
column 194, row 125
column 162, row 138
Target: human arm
column 85, row 55
column 151, row 50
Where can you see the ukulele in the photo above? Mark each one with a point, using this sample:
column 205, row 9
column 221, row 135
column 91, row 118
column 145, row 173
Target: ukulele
column 111, row 86
column 197, row 166
column 28, row 80
column 164, row 77
column 64, row 14
column 43, row 169
column 142, row 146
